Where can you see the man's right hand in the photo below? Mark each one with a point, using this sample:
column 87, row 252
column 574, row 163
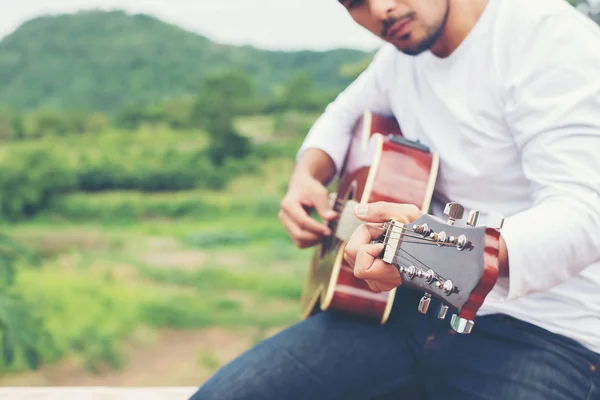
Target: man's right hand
column 304, row 194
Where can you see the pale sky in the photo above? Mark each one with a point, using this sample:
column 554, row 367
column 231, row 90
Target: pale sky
column 271, row 24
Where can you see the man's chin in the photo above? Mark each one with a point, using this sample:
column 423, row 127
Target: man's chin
column 409, row 50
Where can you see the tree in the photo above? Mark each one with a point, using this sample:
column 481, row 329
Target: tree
column 298, row 93
column 223, row 97
column 7, row 131
column 176, row 112
column 353, row 70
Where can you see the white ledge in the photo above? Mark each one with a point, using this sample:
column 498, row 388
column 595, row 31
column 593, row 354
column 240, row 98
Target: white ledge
column 96, row 393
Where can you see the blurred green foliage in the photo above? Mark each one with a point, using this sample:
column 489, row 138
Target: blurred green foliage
column 87, row 301
column 20, row 330
column 140, row 131
column 123, row 178
column 32, row 172
column 107, row 61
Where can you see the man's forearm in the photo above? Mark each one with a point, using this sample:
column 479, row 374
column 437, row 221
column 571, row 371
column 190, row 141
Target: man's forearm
column 316, row 163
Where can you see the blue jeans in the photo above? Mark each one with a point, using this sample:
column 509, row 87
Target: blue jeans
column 336, row 356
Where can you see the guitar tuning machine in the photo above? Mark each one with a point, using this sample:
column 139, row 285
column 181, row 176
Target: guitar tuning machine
column 473, row 218
column 423, row 230
column 410, row 272
column 461, row 325
column 443, row 311
column 424, row 303
column 453, row 211
column 495, row 220
column 429, row 276
column 447, row 286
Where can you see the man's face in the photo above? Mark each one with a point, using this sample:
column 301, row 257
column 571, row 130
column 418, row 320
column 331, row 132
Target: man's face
column 413, row 26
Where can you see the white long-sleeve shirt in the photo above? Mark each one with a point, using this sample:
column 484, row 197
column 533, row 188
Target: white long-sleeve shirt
column 514, row 114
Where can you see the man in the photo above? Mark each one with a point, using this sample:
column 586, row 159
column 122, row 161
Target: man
column 508, row 93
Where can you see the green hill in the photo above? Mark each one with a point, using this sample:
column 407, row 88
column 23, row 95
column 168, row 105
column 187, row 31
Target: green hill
column 108, row 60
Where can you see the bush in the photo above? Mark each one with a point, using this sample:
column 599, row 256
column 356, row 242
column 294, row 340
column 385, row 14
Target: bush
column 33, row 172
column 136, row 205
column 29, row 178
column 83, row 315
column 151, row 171
column 20, row 332
column 131, row 206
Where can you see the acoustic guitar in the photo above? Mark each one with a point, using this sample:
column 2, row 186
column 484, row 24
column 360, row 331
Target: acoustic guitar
column 458, row 265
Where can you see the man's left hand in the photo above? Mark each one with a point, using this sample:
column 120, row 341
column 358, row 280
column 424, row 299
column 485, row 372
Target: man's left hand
column 363, row 256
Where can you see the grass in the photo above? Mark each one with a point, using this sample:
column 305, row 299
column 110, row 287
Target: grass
column 209, row 360
column 153, row 138
column 124, row 266
column 260, row 128
column 95, row 288
column 92, row 298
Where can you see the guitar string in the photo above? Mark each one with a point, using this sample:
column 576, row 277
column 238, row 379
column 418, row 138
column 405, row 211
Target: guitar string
column 409, row 258
column 403, row 229
column 398, row 263
column 414, row 235
column 422, row 240
column 341, row 202
column 399, row 257
column 397, row 260
column 409, row 233
column 395, row 250
column 395, row 229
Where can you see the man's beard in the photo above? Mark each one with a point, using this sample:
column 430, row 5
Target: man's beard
column 433, row 34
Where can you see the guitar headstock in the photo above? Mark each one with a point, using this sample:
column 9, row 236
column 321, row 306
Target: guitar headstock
column 457, row 265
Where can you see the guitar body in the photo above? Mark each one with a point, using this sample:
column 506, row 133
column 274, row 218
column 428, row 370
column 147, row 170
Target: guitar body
column 380, row 165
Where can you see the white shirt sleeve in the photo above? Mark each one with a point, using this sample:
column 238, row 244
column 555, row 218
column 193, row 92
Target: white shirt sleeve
column 553, row 110
column 332, row 131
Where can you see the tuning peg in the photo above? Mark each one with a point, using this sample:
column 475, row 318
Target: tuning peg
column 443, row 311
column 461, row 325
column 410, row 272
column 453, row 211
column 448, row 287
column 495, row 220
column 473, row 218
column 424, row 303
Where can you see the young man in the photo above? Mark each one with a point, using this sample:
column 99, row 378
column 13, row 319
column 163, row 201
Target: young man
column 508, row 93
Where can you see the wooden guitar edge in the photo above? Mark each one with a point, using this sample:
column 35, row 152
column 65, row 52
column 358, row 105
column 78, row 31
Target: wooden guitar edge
column 313, row 304
column 388, row 306
column 328, row 294
column 323, row 297
column 433, row 173
column 489, row 276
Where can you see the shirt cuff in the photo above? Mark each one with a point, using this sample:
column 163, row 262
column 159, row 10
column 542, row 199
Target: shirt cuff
column 514, row 286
